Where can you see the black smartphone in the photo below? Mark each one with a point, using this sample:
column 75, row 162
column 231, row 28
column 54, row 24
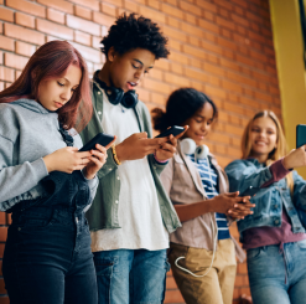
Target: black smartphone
column 251, row 191
column 300, row 135
column 174, row 130
column 101, row 139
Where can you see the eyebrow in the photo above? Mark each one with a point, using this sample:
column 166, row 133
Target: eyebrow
column 137, row 60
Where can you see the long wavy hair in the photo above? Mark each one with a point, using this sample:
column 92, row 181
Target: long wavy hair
column 281, row 146
column 51, row 60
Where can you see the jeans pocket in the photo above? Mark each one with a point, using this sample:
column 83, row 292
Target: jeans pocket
column 253, row 253
column 105, row 266
column 167, row 266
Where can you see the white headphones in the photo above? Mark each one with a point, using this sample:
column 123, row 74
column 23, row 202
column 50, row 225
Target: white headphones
column 189, row 146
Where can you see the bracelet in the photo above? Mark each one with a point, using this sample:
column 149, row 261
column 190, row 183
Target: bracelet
column 116, row 159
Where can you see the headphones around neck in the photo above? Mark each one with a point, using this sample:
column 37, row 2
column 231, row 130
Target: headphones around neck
column 189, row 147
column 117, row 95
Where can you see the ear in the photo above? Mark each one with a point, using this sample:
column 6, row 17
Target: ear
column 111, row 54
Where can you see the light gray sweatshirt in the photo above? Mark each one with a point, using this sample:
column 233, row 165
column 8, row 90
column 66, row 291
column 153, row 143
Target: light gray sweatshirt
column 28, row 132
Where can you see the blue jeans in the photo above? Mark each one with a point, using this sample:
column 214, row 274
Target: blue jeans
column 278, row 276
column 131, row 276
column 48, row 258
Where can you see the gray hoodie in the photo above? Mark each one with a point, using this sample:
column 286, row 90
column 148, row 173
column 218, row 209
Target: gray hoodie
column 28, row 132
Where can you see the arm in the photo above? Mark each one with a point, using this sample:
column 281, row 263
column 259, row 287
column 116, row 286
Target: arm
column 16, row 180
column 244, row 175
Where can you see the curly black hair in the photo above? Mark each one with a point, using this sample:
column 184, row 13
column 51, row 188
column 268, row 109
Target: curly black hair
column 130, row 32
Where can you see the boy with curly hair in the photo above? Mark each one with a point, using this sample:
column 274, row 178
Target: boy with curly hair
column 131, row 215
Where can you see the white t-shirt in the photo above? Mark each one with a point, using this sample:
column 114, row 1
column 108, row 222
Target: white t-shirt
column 139, row 212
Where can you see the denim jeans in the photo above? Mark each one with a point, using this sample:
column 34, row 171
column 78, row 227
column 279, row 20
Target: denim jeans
column 131, row 276
column 48, row 258
column 278, row 276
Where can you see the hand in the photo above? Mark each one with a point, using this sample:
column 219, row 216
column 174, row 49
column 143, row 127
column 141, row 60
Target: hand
column 295, row 159
column 231, row 204
column 138, row 146
column 166, row 150
column 97, row 160
column 66, row 160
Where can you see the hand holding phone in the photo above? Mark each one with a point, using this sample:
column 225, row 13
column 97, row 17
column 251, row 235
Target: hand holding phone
column 101, row 139
column 174, row 130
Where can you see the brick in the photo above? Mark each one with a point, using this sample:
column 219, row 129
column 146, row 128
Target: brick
column 23, row 34
column 196, row 74
column 209, row 26
column 207, row 5
column 2, row 218
column 214, row 69
column 108, row 9
column 172, row 2
column 15, row 61
column 156, row 74
column 3, row 235
column 6, row 14
column 96, row 42
column 162, row 64
column 175, row 34
column 209, row 15
column 173, row 296
column 179, row 57
column 143, row 94
column 158, row 98
column 55, row 16
column 60, row 5
column 172, row 11
column 173, row 22
column 241, row 20
column 88, row 53
column 118, row 3
column 177, row 80
column 132, row 6
column 1, row 58
column 82, row 12
column 241, row 79
column 54, row 29
column 92, row 4
column 17, row 74
column 196, row 52
column 190, row 18
column 28, row 7
column 103, row 19
column 154, row 3
column 25, row 20
column 193, row 9
column 148, row 12
column 196, row 63
column 173, row 44
column 7, row 43
column 223, row 13
column 170, row 283
column 82, row 38
column 157, row 86
column 83, row 25
column 193, row 30
column 176, row 68
column 25, row 49
column 225, row 23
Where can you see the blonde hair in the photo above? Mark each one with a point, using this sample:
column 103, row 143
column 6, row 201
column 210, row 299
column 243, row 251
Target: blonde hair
column 281, row 145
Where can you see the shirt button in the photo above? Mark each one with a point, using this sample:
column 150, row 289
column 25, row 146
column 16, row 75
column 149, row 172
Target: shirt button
column 275, row 206
column 99, row 93
column 99, row 113
column 276, row 222
column 109, row 169
column 154, row 167
column 117, row 202
column 118, row 177
column 19, row 228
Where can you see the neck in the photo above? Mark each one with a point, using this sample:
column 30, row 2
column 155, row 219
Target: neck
column 104, row 74
column 262, row 158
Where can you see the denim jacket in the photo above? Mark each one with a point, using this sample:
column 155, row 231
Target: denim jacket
column 104, row 212
column 247, row 174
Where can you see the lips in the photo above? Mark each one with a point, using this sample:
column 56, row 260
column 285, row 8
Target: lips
column 132, row 85
column 58, row 104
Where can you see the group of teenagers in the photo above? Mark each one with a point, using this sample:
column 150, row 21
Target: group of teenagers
column 104, row 226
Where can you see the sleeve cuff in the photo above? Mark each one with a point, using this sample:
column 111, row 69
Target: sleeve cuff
column 161, row 162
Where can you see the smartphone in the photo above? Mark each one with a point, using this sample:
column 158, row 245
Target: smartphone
column 174, row 130
column 300, row 135
column 101, row 139
column 251, row 191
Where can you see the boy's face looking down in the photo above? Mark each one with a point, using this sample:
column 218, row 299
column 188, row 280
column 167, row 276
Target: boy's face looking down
column 126, row 71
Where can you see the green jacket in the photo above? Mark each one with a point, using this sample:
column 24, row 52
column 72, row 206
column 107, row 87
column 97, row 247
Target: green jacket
column 104, row 210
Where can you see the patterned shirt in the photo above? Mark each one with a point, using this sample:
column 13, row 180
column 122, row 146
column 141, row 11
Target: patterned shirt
column 209, row 179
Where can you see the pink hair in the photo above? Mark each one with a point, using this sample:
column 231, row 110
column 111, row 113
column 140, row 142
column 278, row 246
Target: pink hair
column 52, row 60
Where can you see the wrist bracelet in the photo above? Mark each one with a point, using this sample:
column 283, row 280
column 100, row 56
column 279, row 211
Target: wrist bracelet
column 116, row 159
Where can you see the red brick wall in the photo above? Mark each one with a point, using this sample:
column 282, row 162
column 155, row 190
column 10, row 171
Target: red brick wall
column 223, row 47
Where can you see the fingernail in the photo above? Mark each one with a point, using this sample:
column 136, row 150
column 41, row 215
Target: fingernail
column 230, row 211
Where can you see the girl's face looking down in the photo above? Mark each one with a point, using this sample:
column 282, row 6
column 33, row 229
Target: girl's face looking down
column 54, row 93
column 200, row 124
column 263, row 138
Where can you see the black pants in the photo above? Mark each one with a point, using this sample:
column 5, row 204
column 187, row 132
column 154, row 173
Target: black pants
column 48, row 259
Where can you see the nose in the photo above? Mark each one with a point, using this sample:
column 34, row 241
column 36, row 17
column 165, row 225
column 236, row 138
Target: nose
column 204, row 126
column 139, row 74
column 66, row 95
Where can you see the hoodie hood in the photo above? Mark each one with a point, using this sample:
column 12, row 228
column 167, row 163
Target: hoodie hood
column 32, row 105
